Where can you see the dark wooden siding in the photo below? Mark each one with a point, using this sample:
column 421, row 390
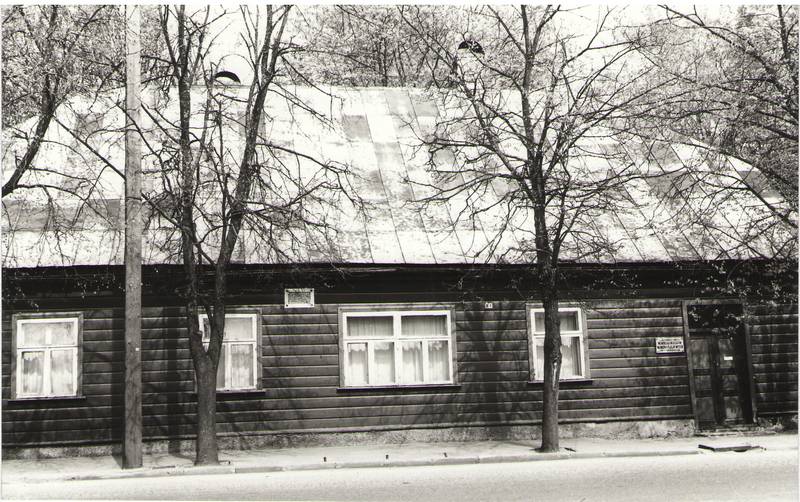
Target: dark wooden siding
column 773, row 335
column 301, row 375
column 95, row 417
column 635, row 381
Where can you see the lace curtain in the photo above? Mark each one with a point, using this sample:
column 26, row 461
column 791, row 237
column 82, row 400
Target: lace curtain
column 570, row 357
column 411, row 354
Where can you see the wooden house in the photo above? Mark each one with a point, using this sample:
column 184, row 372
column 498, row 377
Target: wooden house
column 409, row 327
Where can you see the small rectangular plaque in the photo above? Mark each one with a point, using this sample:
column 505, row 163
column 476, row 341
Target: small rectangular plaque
column 669, row 344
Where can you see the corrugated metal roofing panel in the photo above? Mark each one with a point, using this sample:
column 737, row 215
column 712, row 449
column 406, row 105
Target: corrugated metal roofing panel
column 446, row 246
column 614, row 237
column 353, row 246
column 424, row 105
column 399, row 104
column 49, row 249
column 384, row 244
column 375, row 132
column 356, row 128
column 415, row 245
column 378, row 116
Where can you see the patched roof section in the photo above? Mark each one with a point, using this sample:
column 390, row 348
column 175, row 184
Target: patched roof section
column 377, row 131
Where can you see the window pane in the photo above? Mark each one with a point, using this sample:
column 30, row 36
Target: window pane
column 239, row 328
column 538, row 363
column 62, row 372
column 538, row 322
column 357, row 364
column 241, row 366
column 438, row 361
column 412, row 362
column 424, row 325
column 370, row 326
column 570, row 357
column 569, row 321
column 61, row 333
column 206, row 329
column 32, row 334
column 32, row 372
column 220, row 368
column 384, row 362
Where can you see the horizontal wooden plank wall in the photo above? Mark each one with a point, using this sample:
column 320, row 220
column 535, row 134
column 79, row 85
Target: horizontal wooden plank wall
column 773, row 335
column 97, row 417
column 622, row 357
column 301, row 376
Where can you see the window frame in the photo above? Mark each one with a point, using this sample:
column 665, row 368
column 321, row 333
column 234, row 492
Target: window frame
column 581, row 333
column 255, row 314
column 397, row 311
column 76, row 318
column 289, row 305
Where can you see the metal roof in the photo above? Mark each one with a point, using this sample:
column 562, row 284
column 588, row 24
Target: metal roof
column 376, row 132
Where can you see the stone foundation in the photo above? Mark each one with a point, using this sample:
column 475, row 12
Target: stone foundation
column 779, row 423
column 606, row 430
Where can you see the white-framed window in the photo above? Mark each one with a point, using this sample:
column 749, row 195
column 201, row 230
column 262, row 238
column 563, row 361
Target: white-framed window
column 47, row 356
column 573, row 344
column 298, row 297
column 239, row 367
column 383, row 347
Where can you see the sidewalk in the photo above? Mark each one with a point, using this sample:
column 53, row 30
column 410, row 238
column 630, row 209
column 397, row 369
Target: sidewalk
column 392, row 455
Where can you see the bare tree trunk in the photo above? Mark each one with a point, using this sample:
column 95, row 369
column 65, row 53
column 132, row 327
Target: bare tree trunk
column 205, row 363
column 546, row 263
column 205, row 372
column 552, row 369
column 186, row 67
column 207, row 452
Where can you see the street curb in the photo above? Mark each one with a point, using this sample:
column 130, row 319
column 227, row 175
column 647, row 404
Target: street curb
column 254, row 469
column 232, row 468
column 151, row 472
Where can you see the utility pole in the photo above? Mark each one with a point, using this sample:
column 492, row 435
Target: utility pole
column 132, row 442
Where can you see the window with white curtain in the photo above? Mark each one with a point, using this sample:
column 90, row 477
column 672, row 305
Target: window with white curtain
column 238, row 359
column 385, row 347
column 47, row 355
column 573, row 355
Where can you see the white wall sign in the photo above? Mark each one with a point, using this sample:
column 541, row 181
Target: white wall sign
column 669, row 344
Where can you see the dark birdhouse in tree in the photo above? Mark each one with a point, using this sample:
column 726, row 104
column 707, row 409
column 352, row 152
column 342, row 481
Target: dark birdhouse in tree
column 226, row 77
column 468, row 58
column 471, row 45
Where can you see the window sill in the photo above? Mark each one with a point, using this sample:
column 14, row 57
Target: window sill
column 400, row 387
column 46, row 398
column 237, row 392
column 572, row 382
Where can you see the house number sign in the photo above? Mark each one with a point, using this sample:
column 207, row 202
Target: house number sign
column 669, row 344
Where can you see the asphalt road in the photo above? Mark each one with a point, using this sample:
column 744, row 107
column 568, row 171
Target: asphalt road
column 756, row 475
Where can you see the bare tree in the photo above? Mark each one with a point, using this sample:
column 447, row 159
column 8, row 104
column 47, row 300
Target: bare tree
column 364, row 45
column 227, row 173
column 50, row 53
column 523, row 130
column 225, row 177
column 62, row 84
column 733, row 89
